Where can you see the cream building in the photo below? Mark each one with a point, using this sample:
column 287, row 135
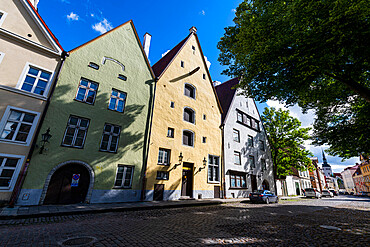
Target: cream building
column 30, row 57
column 185, row 143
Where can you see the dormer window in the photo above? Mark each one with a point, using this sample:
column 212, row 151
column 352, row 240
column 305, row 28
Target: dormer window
column 189, row 90
column 93, row 65
column 189, row 115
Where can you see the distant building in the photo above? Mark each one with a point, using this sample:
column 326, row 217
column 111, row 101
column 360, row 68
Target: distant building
column 347, row 176
column 326, row 167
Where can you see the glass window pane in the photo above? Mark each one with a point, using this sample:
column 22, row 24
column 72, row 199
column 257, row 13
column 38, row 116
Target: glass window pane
column 238, row 182
column 22, row 137
column 114, row 93
column 39, row 91
column 68, row 140
column 45, row 75
column 118, row 182
column 107, row 128
column 73, row 120
column 90, row 97
column 120, row 106
column 84, row 122
column 119, row 175
column 7, row 173
column 84, row 83
column 112, row 104
column 78, row 142
column 81, row 94
column 28, row 118
column 122, row 95
column 94, row 86
column 30, row 80
column 104, row 145
column 42, row 84
column 116, row 130
column 233, row 181
column 11, row 162
column 33, row 71
column 15, row 115
column 80, row 133
column 4, row 182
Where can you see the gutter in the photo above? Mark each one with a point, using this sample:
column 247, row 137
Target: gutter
column 23, row 173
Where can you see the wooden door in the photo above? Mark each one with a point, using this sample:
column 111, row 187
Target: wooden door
column 217, row 192
column 60, row 190
column 254, row 182
column 187, row 180
column 158, row 192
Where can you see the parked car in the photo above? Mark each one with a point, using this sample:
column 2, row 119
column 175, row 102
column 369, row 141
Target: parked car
column 352, row 193
column 263, row 196
column 346, row 193
column 327, row 193
column 334, row 192
column 313, row 193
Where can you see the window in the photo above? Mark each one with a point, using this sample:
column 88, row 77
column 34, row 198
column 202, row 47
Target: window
column 189, row 115
column 239, row 117
column 2, row 17
column 189, row 91
column 164, row 156
column 204, row 76
column 246, row 104
column 93, row 65
column 263, row 165
column 262, row 145
column 110, row 138
column 250, row 141
column 75, row 133
column 124, row 176
column 8, row 167
column 247, row 120
column 251, row 161
column 182, row 64
column 193, row 48
column 236, row 135
column 18, row 126
column 257, row 125
column 204, row 117
column 163, row 175
column 172, row 105
column 213, row 168
column 87, row 91
column 170, row 132
column 122, row 77
column 188, row 138
column 204, row 139
column 237, row 181
column 36, row 80
column 237, row 160
column 117, row 101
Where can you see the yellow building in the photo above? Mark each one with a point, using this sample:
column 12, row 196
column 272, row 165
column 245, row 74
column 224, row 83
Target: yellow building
column 365, row 170
column 185, row 142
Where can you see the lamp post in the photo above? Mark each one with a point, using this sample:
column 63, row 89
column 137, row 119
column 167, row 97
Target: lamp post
column 44, row 139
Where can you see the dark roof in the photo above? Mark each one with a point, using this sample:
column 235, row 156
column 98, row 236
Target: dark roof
column 326, row 165
column 162, row 64
column 225, row 93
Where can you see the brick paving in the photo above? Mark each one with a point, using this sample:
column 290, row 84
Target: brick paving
column 289, row 223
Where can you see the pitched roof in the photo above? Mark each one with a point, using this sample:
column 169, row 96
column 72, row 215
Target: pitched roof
column 225, row 93
column 44, row 24
column 162, row 64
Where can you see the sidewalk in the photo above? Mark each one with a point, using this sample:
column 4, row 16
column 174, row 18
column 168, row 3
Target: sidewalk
column 21, row 212
column 290, row 197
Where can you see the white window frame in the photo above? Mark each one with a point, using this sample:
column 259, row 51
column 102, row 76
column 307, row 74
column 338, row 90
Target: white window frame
column 168, row 152
column 235, row 131
column 111, row 134
column 211, row 166
column 4, row 120
column 3, row 17
column 88, row 89
column 75, row 133
column 16, row 171
column 2, row 55
column 24, row 74
column 124, row 177
column 237, row 154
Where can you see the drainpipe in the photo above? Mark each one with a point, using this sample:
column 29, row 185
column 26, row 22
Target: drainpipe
column 223, row 169
column 23, row 173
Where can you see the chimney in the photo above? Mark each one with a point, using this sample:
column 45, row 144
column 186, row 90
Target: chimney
column 216, row 83
column 146, row 43
column 34, row 3
column 193, row 30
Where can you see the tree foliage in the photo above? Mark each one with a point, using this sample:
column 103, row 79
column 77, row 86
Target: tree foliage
column 286, row 138
column 314, row 53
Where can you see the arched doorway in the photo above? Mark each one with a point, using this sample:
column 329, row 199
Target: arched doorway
column 61, row 189
column 265, row 185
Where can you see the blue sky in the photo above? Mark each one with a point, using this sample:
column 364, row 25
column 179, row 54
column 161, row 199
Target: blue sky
column 75, row 22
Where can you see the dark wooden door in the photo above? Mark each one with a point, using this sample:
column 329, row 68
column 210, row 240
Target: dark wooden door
column 158, row 192
column 187, row 180
column 254, row 182
column 217, row 192
column 60, row 190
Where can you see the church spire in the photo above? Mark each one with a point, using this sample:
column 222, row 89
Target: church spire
column 323, row 158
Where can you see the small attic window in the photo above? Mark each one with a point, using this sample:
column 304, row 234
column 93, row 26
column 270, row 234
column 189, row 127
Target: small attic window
column 93, row 65
column 182, row 64
column 193, row 48
column 204, row 76
column 122, row 77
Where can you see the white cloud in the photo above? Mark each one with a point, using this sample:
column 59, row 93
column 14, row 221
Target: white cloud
column 233, row 10
column 103, row 26
column 92, row 15
column 164, row 54
column 202, row 12
column 73, row 17
column 207, row 62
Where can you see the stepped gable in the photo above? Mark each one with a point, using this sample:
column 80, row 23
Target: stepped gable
column 225, row 93
column 161, row 65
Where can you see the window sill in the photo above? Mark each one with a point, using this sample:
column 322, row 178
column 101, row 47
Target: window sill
column 213, row 182
column 81, row 101
column 106, row 151
column 71, row 146
column 14, row 142
column 25, row 93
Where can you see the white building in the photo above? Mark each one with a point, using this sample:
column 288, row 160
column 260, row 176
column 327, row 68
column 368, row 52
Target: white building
column 246, row 152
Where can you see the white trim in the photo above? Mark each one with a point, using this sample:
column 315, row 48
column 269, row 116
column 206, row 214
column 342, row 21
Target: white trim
column 16, row 171
column 24, row 74
column 219, row 171
column 25, row 93
column 41, row 26
column 115, row 61
column 32, row 130
column 2, row 54
column 124, row 177
column 3, row 16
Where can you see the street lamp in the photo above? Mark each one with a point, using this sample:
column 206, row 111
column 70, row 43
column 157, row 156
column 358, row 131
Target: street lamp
column 45, row 139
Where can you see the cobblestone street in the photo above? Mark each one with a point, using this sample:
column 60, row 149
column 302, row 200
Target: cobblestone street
column 302, row 222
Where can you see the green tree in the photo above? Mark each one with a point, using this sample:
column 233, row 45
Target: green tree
column 313, row 53
column 286, row 138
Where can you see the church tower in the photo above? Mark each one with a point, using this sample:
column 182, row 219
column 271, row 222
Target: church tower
column 325, row 166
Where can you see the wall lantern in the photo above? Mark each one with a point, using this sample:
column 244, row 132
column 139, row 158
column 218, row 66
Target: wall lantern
column 45, row 139
column 180, row 157
column 204, row 164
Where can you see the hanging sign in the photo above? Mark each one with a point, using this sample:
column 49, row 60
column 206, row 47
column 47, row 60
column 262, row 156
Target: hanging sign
column 75, row 179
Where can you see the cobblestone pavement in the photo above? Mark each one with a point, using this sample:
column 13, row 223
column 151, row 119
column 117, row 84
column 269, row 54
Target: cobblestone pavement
column 338, row 221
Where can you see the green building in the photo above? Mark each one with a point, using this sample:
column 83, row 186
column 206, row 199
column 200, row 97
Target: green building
column 99, row 121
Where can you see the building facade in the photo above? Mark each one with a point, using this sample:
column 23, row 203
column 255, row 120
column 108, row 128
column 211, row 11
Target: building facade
column 365, row 171
column 347, row 176
column 30, row 57
column 98, row 119
column 246, row 151
column 185, row 143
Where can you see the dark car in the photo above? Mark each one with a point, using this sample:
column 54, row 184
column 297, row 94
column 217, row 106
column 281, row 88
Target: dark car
column 334, row 192
column 263, row 196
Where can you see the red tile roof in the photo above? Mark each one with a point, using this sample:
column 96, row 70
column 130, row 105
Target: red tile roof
column 225, row 93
